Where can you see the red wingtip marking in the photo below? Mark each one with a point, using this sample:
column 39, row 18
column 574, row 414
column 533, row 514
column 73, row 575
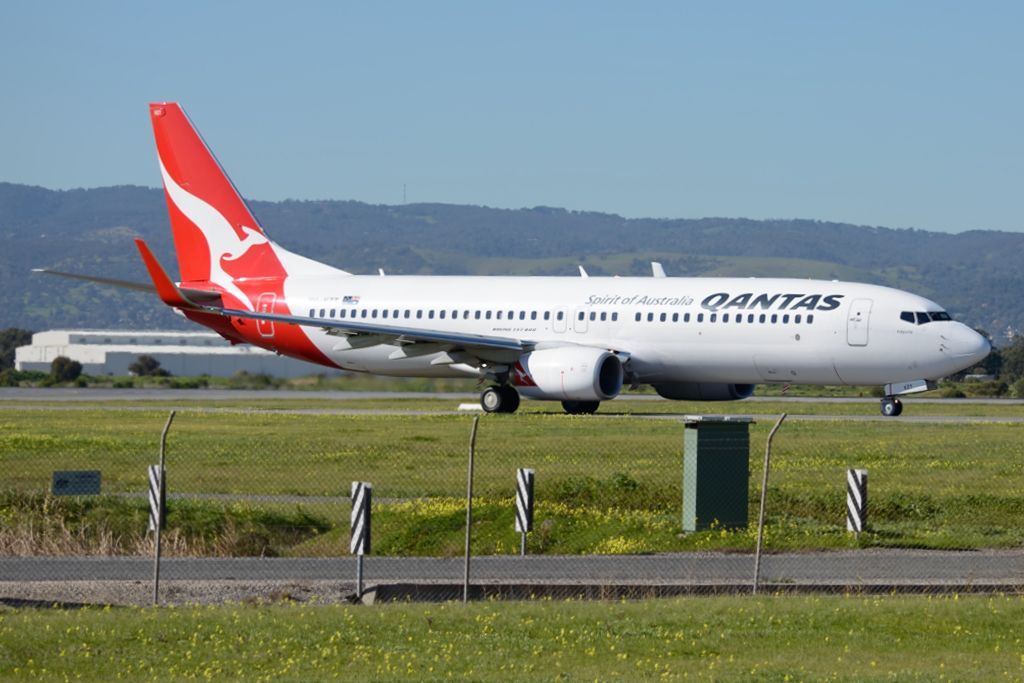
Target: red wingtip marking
column 167, row 290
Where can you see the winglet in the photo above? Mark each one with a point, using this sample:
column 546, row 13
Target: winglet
column 168, row 291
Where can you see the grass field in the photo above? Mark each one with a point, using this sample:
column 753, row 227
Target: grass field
column 610, row 484
column 718, row 639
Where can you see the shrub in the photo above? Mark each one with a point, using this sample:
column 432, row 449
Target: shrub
column 63, row 369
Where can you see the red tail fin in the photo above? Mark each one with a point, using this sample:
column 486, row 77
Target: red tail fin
column 216, row 237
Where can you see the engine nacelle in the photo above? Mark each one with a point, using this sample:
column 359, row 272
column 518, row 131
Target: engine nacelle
column 569, row 373
column 704, row 391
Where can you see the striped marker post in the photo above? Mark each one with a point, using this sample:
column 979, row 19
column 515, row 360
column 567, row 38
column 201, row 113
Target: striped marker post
column 360, row 541
column 856, row 500
column 157, row 499
column 524, row 505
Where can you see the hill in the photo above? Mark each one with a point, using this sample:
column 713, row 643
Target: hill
column 976, row 274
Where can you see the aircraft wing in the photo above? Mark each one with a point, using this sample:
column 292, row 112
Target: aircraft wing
column 387, row 333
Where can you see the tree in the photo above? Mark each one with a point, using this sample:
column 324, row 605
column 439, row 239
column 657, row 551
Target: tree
column 147, row 366
column 10, row 339
column 63, row 369
column 1013, row 361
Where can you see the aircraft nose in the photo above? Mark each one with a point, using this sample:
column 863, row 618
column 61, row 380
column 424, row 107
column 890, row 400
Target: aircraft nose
column 965, row 344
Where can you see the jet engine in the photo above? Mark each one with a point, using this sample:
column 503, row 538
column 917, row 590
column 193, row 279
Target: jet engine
column 704, row 391
column 569, row 373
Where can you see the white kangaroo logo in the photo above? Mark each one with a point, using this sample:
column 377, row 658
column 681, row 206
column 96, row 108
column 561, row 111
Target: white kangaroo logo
column 221, row 238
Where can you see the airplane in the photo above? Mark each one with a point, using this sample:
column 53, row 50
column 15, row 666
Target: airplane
column 578, row 340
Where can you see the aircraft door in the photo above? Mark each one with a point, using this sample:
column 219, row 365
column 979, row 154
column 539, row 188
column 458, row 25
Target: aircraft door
column 559, row 323
column 857, row 322
column 579, row 320
column 265, row 304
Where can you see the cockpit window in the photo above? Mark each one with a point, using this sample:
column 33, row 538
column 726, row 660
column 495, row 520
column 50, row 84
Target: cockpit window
column 923, row 318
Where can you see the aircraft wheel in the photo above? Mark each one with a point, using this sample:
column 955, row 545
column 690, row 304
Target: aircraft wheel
column 492, row 400
column 510, row 399
column 580, row 407
column 891, row 407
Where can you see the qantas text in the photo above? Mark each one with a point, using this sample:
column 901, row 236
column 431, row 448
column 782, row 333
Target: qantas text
column 781, row 302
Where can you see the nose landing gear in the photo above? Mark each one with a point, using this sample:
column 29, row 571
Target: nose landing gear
column 891, row 406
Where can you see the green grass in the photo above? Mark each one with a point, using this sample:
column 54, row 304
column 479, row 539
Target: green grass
column 717, row 639
column 603, row 485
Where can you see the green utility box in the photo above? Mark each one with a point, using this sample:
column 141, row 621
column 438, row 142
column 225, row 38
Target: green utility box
column 716, row 471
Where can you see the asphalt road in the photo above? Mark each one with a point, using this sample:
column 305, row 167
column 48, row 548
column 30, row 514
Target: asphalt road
column 92, row 395
column 939, row 568
column 82, row 399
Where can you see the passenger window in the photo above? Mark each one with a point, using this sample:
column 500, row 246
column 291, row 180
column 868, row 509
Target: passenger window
column 533, row 315
column 700, row 317
column 775, row 318
column 604, row 316
column 487, row 315
column 907, row 316
column 796, row 318
column 323, row 313
column 725, row 317
column 785, row 318
column 810, row 318
column 522, row 315
column 441, row 314
column 342, row 313
column 593, row 316
column 581, row 316
column 394, row 313
column 686, row 317
column 312, row 314
column 332, row 313
column 922, row 318
column 638, row 316
column 713, row 317
column 650, row 317
column 498, row 315
column 407, row 313
column 511, row 315
column 750, row 318
column 547, row 315
column 615, row 317
column 476, row 315
column 663, row 317
column 365, row 313
column 675, row 317
column 561, row 315
column 419, row 314
column 762, row 318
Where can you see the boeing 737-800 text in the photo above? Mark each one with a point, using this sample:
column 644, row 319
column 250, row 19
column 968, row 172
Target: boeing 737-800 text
column 577, row 340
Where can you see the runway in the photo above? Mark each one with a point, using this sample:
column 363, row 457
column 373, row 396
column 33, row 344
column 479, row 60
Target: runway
column 186, row 399
column 864, row 567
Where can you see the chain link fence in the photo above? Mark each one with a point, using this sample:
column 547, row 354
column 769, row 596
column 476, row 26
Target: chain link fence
column 264, row 497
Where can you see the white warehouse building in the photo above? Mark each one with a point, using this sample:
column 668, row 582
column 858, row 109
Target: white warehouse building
column 110, row 352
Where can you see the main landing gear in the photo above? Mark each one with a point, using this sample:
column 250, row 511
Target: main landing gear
column 499, row 399
column 580, row 407
column 891, row 406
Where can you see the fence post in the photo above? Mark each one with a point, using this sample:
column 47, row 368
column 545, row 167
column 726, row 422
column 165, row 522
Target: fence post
column 764, row 498
column 359, row 545
column 469, row 508
column 856, row 500
column 158, row 504
column 524, row 505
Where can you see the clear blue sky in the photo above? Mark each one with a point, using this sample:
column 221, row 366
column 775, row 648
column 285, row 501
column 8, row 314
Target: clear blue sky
column 903, row 114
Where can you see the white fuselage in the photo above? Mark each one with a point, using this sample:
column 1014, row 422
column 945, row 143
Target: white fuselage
column 733, row 330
